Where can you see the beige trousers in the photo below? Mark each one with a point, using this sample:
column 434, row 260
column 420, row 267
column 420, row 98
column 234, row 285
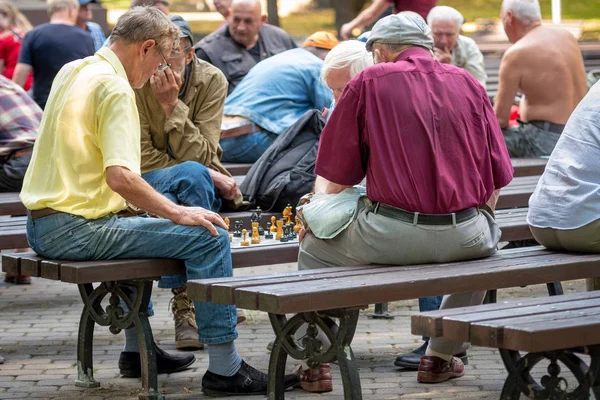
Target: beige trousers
column 376, row 239
column 585, row 239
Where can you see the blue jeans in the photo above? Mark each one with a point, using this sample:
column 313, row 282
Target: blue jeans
column 430, row 304
column 190, row 184
column 69, row 237
column 246, row 148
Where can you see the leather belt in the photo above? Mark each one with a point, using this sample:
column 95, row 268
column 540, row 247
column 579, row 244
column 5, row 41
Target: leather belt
column 548, row 126
column 425, row 219
column 237, row 126
column 44, row 212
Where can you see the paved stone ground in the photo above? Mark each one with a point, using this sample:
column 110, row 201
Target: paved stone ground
column 38, row 337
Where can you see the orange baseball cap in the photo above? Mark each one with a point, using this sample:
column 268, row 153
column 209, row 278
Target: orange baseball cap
column 322, row 40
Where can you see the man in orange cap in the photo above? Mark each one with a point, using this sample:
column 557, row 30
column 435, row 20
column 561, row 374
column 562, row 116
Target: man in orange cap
column 273, row 96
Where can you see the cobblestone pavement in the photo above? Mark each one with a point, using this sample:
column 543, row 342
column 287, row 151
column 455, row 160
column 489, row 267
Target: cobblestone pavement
column 38, row 337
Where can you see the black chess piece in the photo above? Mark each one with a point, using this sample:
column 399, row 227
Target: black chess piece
column 255, row 217
column 237, row 229
column 268, row 233
column 285, row 237
column 293, row 233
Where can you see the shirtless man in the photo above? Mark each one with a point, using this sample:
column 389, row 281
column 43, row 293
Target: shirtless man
column 546, row 66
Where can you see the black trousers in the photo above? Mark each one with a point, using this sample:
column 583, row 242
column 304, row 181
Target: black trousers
column 12, row 172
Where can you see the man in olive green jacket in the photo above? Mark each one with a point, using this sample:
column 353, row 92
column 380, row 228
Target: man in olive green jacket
column 180, row 109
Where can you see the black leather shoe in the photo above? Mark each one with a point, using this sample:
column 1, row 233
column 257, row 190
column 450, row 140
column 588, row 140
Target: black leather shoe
column 247, row 381
column 413, row 359
column 130, row 366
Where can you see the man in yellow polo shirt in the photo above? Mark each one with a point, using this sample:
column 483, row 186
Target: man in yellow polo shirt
column 85, row 167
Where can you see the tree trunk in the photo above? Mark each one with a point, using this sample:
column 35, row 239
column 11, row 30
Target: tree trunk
column 272, row 12
column 346, row 10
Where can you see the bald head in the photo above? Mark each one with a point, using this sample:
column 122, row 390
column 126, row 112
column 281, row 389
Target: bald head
column 245, row 21
column 248, row 5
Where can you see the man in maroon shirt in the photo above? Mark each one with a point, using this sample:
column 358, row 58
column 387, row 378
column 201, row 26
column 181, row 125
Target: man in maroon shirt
column 425, row 136
column 370, row 15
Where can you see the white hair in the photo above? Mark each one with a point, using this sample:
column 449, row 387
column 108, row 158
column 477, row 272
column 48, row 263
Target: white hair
column 445, row 13
column 351, row 54
column 526, row 11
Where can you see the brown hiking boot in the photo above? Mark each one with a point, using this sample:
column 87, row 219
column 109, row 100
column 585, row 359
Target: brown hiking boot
column 184, row 315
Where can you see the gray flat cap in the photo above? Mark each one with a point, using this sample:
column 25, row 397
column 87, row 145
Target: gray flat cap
column 406, row 27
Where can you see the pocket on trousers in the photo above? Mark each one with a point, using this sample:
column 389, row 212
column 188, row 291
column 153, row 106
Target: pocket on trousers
column 473, row 242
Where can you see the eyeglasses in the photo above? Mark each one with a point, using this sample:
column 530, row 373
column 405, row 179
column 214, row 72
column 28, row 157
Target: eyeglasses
column 163, row 66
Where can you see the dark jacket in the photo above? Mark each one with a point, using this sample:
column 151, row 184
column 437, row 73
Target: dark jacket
column 233, row 59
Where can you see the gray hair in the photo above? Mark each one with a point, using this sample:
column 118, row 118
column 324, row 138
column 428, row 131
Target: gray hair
column 527, row 11
column 146, row 23
column 445, row 13
column 53, row 6
column 350, row 54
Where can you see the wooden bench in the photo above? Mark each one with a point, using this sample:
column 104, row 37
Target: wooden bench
column 238, row 168
column 551, row 329
column 316, row 296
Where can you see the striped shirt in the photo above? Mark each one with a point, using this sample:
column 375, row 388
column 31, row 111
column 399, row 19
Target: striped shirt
column 19, row 118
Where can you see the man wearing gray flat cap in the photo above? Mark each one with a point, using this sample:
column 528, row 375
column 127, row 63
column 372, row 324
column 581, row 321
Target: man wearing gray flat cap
column 434, row 162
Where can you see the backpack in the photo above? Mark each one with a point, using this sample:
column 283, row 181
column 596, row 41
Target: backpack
column 286, row 171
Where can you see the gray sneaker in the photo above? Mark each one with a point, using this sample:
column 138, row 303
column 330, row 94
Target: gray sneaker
column 184, row 315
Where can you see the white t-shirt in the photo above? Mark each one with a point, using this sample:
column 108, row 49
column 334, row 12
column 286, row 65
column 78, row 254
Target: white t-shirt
column 568, row 193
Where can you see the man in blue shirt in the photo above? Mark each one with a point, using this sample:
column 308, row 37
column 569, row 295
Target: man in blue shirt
column 273, row 96
column 84, row 21
column 48, row 47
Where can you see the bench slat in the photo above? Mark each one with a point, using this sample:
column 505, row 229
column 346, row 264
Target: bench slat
column 572, row 332
column 458, row 327
column 114, row 270
column 403, row 284
column 432, row 323
column 410, row 279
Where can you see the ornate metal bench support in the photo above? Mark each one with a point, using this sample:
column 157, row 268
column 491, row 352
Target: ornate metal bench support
column 115, row 318
column 551, row 386
column 312, row 350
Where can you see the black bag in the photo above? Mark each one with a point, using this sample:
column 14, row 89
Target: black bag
column 286, row 171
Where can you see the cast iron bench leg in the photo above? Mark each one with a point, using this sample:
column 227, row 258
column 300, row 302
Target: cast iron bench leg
column 311, row 349
column 115, row 318
column 381, row 312
column 551, row 386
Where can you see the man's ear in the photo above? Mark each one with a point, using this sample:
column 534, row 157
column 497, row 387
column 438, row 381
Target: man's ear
column 510, row 15
column 263, row 19
column 146, row 47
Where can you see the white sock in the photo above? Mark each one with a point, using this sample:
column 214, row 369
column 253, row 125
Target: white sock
column 430, row 352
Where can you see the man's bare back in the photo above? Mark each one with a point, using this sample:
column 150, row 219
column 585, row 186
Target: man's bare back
column 547, row 68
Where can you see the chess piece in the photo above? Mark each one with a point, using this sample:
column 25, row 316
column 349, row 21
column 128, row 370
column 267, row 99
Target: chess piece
column 226, row 220
column 237, row 229
column 268, row 233
column 244, row 241
column 255, row 236
column 273, row 225
column 287, row 213
column 279, row 231
column 230, row 238
column 255, row 217
column 298, row 225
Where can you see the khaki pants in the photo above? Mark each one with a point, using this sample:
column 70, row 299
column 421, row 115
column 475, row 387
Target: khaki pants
column 376, row 239
column 585, row 239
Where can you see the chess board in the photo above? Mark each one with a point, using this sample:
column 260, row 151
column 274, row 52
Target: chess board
column 235, row 243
